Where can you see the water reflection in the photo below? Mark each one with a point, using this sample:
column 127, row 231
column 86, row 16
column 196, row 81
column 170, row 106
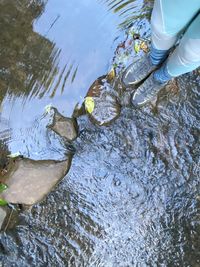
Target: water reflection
column 132, row 195
column 51, row 52
column 28, row 60
column 22, row 63
column 130, row 10
column 43, row 43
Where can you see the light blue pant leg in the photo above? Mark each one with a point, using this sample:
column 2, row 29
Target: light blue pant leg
column 186, row 56
column 169, row 18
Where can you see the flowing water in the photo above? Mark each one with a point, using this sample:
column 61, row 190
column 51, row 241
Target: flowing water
column 132, row 196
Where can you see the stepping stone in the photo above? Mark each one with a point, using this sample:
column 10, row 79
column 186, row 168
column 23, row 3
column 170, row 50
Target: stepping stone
column 29, row 181
column 106, row 106
column 106, row 110
column 63, row 126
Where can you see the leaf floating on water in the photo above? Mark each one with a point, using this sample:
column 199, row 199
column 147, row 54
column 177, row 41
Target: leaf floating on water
column 111, row 75
column 3, row 187
column 48, row 108
column 3, row 202
column 89, row 104
column 14, row 155
column 144, row 47
column 136, row 47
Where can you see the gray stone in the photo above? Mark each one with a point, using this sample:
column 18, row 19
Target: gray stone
column 30, row 181
column 107, row 108
column 63, row 126
column 2, row 216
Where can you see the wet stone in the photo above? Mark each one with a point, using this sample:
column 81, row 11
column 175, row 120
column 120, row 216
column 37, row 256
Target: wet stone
column 2, row 216
column 65, row 127
column 106, row 108
column 30, row 181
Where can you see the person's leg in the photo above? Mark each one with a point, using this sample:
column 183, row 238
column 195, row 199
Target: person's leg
column 166, row 22
column 185, row 58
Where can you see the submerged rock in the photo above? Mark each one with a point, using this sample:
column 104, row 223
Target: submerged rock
column 106, row 110
column 30, row 181
column 106, row 106
column 63, row 126
column 3, row 215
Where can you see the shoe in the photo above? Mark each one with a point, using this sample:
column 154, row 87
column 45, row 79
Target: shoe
column 147, row 91
column 138, row 71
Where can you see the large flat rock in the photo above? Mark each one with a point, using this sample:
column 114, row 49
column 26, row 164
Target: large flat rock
column 30, row 181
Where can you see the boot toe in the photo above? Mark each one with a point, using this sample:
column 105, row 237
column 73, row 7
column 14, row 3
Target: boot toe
column 137, row 71
column 128, row 79
column 137, row 100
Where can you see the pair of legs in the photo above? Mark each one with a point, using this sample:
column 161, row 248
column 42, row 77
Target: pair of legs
column 169, row 20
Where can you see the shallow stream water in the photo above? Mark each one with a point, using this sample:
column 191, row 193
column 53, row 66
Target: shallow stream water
column 132, row 195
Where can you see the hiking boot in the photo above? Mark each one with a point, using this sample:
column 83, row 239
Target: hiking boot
column 147, row 91
column 138, row 71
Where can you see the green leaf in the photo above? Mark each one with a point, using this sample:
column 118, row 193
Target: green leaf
column 3, row 187
column 3, row 202
column 137, row 47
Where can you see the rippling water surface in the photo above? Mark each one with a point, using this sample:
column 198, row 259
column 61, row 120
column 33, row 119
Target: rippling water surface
column 132, row 196
column 51, row 52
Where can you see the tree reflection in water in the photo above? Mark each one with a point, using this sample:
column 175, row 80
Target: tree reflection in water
column 130, row 10
column 28, row 61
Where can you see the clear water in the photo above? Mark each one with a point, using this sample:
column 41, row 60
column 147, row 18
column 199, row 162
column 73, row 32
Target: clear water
column 131, row 197
column 51, row 52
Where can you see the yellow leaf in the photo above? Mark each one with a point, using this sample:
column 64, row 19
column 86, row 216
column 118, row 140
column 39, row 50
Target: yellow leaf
column 144, row 47
column 89, row 104
column 111, row 74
